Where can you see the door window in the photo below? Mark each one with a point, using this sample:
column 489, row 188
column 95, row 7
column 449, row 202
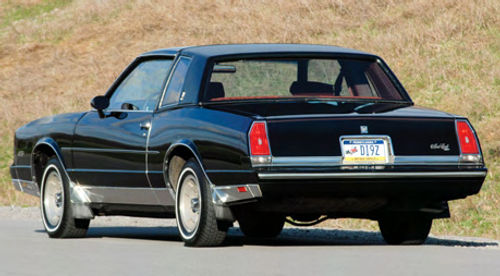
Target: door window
column 142, row 88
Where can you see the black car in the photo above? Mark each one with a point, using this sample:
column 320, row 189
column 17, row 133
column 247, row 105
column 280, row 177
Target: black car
column 257, row 133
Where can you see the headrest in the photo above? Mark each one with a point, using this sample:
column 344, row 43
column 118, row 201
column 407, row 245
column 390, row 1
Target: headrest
column 215, row 90
column 311, row 87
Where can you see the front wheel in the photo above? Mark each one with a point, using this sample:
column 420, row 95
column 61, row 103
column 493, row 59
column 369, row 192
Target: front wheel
column 55, row 205
column 405, row 229
column 194, row 209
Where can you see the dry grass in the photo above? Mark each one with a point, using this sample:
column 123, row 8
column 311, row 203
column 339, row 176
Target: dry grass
column 446, row 53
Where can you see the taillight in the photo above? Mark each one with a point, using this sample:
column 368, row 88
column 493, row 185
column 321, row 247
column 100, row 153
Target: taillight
column 259, row 144
column 467, row 139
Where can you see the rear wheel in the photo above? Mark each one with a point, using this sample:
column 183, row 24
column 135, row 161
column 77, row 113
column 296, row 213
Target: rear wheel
column 55, row 205
column 194, row 209
column 411, row 229
column 261, row 225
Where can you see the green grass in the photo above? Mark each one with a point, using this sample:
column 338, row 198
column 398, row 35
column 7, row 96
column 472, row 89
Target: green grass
column 5, row 161
column 15, row 12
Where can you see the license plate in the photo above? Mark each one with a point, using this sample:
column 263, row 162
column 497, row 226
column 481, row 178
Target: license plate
column 364, row 151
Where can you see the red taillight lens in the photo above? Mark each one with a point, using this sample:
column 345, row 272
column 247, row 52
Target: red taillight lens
column 467, row 139
column 259, row 144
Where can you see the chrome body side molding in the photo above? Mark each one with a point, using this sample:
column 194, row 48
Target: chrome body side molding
column 111, row 171
column 21, row 166
column 120, row 195
column 354, row 175
column 109, row 150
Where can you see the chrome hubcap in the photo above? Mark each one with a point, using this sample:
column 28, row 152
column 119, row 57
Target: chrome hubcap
column 53, row 199
column 189, row 203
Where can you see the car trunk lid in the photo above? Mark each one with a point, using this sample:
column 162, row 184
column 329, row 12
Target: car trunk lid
column 314, row 128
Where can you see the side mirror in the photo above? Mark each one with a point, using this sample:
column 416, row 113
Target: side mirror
column 100, row 103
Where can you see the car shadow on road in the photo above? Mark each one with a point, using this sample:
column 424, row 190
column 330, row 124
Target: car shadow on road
column 289, row 237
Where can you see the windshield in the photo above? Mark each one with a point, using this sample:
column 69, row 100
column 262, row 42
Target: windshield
column 247, row 79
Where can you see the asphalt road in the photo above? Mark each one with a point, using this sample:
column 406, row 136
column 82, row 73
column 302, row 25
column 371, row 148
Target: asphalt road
column 132, row 246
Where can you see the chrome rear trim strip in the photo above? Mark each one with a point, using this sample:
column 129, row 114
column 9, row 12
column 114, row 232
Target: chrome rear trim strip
column 336, row 161
column 354, row 175
column 426, row 159
column 306, row 161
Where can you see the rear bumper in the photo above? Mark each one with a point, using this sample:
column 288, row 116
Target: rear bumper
column 437, row 186
column 371, row 175
column 414, row 185
column 365, row 194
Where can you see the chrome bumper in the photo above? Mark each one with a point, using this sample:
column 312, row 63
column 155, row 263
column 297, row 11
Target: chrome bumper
column 375, row 175
column 223, row 195
column 26, row 186
column 79, row 206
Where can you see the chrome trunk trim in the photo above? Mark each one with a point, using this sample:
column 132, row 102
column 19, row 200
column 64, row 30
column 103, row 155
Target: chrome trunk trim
column 306, row 161
column 354, row 175
column 427, row 160
column 401, row 160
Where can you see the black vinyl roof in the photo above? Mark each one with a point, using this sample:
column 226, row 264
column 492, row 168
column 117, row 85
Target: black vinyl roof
column 209, row 51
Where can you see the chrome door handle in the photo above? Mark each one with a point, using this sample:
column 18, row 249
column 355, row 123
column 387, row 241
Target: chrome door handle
column 145, row 125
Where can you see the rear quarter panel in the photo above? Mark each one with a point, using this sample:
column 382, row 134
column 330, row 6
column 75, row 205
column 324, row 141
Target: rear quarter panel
column 219, row 138
column 58, row 128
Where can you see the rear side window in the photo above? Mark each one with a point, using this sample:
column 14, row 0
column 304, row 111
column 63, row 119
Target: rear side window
column 142, row 88
column 176, row 84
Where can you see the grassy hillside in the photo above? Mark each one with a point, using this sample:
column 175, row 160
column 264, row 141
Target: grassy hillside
column 55, row 55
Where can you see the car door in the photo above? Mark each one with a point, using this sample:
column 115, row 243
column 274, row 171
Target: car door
column 168, row 127
column 109, row 149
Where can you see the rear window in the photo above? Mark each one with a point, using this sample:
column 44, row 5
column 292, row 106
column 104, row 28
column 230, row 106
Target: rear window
column 299, row 77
